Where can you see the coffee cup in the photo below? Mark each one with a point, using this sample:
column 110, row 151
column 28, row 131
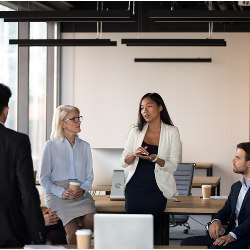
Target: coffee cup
column 206, row 191
column 74, row 186
column 83, row 237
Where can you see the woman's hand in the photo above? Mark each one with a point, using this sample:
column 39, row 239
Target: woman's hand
column 68, row 194
column 50, row 218
column 148, row 157
column 141, row 151
column 79, row 193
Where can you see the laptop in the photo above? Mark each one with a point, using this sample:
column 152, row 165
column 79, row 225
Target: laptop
column 134, row 231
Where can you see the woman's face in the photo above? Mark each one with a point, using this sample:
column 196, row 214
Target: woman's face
column 150, row 110
column 71, row 122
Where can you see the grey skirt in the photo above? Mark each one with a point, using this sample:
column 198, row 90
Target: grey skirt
column 68, row 210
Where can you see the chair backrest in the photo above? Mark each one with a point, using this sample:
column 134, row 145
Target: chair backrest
column 184, row 177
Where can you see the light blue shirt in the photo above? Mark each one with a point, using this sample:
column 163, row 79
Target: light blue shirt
column 61, row 162
column 242, row 193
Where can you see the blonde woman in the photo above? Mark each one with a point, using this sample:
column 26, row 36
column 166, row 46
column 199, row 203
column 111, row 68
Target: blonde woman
column 67, row 158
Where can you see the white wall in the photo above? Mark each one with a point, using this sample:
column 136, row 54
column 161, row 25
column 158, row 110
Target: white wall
column 208, row 102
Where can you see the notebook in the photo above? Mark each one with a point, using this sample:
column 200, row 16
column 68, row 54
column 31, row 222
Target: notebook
column 123, row 231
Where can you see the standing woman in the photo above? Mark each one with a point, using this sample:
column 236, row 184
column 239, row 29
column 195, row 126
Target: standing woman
column 152, row 151
column 67, row 158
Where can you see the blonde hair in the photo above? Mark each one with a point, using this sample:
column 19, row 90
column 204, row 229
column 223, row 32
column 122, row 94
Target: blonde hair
column 59, row 115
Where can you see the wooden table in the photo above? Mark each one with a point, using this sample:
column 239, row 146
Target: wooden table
column 207, row 166
column 186, row 205
column 214, row 181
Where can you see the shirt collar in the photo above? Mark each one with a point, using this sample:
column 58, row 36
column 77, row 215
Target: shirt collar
column 63, row 139
column 2, row 123
column 247, row 182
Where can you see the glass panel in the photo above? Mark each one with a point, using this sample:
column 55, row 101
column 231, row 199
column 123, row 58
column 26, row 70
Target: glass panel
column 8, row 69
column 37, row 92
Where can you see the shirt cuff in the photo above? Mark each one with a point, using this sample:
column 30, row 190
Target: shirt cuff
column 233, row 235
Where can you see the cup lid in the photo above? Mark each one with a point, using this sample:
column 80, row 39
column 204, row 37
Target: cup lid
column 206, row 186
column 74, row 183
column 84, row 232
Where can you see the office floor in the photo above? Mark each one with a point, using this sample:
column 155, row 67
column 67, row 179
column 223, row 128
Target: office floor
column 176, row 233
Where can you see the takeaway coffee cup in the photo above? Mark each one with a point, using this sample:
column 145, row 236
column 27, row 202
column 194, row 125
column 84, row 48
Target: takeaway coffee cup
column 74, row 186
column 83, row 237
column 206, row 191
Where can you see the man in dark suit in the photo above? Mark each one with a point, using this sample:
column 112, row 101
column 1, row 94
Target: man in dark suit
column 235, row 213
column 21, row 218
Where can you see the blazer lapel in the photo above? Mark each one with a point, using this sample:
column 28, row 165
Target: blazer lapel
column 235, row 196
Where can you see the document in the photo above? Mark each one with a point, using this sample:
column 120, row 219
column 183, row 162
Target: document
column 219, row 197
column 43, row 247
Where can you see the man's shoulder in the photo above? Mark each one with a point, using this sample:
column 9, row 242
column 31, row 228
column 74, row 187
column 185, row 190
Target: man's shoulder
column 12, row 134
column 237, row 185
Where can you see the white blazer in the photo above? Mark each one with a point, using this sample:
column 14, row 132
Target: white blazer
column 169, row 149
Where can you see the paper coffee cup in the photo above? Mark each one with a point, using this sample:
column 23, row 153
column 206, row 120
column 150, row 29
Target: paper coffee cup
column 74, row 186
column 206, row 191
column 83, row 237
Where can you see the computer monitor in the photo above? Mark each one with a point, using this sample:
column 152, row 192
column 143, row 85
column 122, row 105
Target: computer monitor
column 105, row 160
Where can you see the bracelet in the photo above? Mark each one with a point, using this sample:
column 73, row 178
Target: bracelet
column 155, row 159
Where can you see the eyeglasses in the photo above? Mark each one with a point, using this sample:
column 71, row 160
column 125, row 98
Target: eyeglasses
column 74, row 119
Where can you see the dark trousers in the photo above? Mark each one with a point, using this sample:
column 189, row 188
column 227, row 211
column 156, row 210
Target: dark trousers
column 208, row 241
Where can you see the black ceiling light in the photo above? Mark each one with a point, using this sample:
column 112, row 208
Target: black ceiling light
column 186, row 60
column 199, row 16
column 63, row 42
column 68, row 16
column 174, row 42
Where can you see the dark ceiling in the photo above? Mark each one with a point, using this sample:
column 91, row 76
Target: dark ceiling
column 149, row 16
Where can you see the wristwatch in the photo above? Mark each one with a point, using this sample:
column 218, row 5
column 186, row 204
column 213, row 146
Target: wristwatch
column 155, row 159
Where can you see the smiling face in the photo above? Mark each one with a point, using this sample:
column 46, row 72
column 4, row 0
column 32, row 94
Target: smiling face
column 240, row 164
column 69, row 126
column 150, row 110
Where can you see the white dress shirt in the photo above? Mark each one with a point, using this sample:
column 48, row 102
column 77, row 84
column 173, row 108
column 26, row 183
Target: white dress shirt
column 61, row 162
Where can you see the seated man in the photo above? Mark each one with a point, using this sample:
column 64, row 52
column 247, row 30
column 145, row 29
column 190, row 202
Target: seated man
column 236, row 211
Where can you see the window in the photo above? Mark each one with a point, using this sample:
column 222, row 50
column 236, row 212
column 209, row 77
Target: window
column 8, row 69
column 37, row 92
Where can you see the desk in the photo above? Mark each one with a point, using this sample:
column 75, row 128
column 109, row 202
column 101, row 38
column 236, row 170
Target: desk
column 207, row 166
column 187, row 205
column 214, row 181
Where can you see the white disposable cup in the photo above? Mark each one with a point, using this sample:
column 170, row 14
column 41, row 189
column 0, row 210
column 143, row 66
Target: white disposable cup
column 74, row 186
column 206, row 191
column 83, row 237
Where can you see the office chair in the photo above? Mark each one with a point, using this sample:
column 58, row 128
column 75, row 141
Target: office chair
column 183, row 177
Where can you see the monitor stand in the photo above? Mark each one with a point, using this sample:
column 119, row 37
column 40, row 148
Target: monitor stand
column 118, row 181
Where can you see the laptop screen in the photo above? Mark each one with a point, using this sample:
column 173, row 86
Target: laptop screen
column 123, row 231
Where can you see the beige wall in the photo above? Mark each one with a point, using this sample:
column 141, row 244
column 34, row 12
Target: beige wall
column 208, row 102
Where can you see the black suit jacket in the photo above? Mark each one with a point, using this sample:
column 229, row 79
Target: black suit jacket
column 21, row 218
column 227, row 213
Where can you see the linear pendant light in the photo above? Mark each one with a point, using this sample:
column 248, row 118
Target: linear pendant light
column 63, row 42
column 174, row 42
column 67, row 16
column 192, row 60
